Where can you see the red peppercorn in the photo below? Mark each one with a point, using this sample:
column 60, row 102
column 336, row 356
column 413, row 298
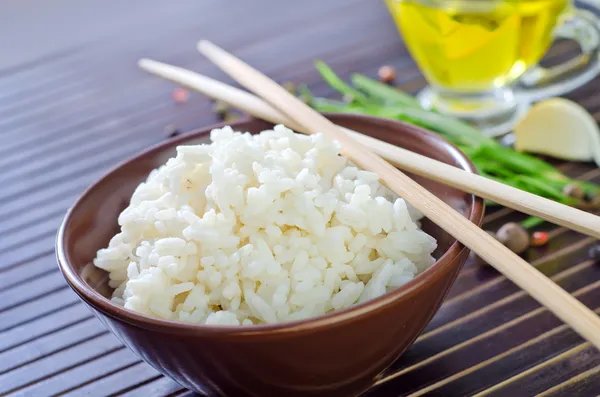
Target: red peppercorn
column 387, row 74
column 180, row 95
column 539, row 239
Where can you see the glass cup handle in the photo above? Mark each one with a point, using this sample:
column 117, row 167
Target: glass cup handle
column 539, row 82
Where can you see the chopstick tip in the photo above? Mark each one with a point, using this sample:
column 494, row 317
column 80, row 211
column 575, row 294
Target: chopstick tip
column 205, row 45
column 152, row 66
column 145, row 63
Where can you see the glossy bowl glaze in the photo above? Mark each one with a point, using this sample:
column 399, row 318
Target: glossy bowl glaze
column 339, row 354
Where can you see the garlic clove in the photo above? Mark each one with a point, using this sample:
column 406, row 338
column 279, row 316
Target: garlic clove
column 559, row 128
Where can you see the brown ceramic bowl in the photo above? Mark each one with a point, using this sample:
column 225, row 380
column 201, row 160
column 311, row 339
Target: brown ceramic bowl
column 339, row 354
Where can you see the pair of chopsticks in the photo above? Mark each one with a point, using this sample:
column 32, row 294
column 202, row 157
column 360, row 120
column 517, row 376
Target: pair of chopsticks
column 508, row 196
column 279, row 106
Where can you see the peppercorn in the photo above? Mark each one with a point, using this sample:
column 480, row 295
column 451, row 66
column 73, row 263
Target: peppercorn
column 180, row 95
column 574, row 190
column 387, row 73
column 539, row 239
column 171, row 131
column 589, row 197
column 514, row 237
column 221, row 108
column 594, row 252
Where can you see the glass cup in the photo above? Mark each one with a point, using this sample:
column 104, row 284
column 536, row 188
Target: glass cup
column 480, row 57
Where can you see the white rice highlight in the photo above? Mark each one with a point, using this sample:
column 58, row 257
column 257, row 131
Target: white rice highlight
column 261, row 229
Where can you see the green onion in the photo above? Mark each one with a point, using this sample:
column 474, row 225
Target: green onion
column 493, row 160
column 531, row 222
column 338, row 84
column 384, row 92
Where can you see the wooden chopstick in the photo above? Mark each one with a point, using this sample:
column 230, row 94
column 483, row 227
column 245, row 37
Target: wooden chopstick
column 564, row 306
column 520, row 200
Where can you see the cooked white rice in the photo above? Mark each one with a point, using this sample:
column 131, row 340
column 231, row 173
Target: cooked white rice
column 260, row 229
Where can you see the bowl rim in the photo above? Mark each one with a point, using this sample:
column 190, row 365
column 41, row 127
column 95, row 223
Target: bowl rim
column 339, row 317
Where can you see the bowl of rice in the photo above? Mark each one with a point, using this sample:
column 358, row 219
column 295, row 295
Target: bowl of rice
column 248, row 260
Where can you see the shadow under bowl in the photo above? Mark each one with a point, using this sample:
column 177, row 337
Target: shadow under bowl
column 339, row 354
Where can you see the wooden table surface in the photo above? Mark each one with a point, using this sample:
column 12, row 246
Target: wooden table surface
column 73, row 104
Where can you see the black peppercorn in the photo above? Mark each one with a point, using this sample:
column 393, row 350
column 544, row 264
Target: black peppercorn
column 574, row 190
column 171, row 131
column 594, row 252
